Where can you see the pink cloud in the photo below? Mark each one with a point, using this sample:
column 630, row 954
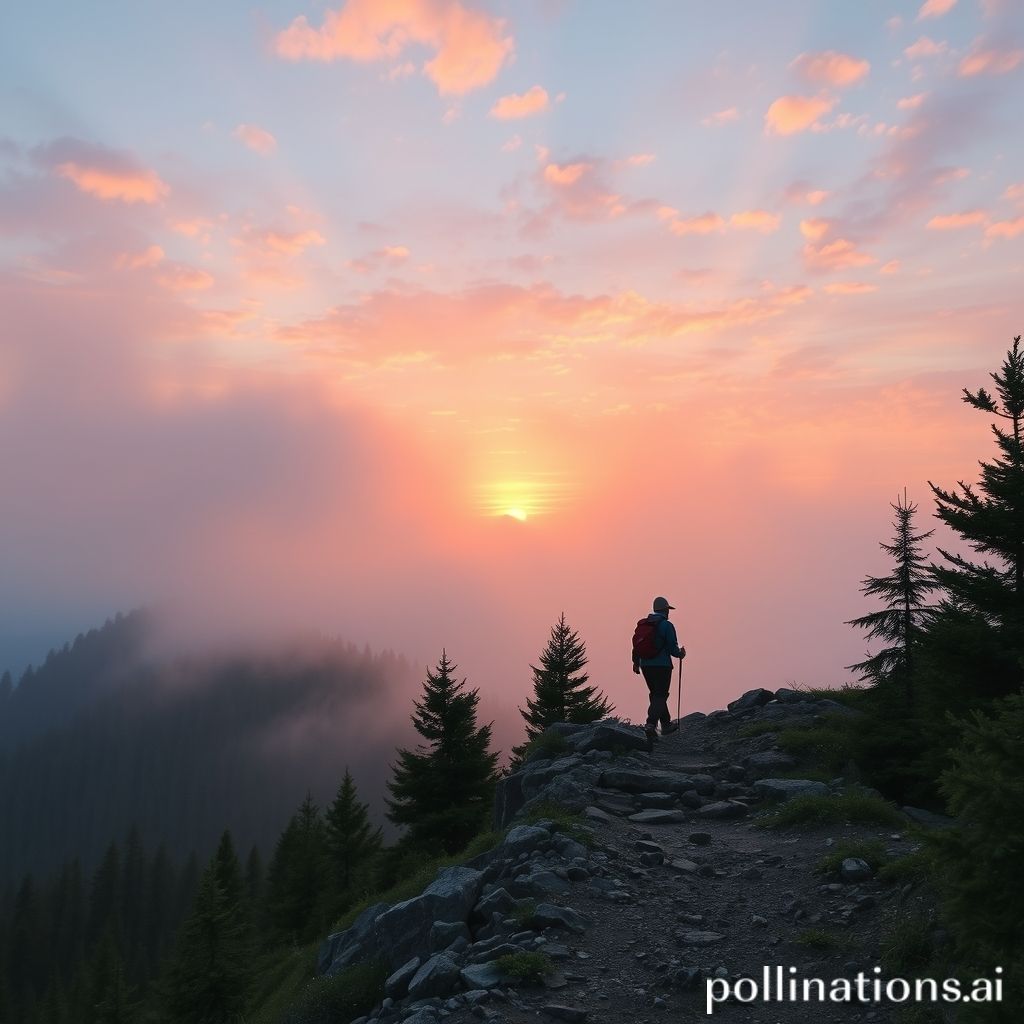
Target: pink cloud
column 989, row 60
column 925, row 47
column 817, row 197
column 756, row 220
column 1005, row 228
column 258, row 139
column 566, row 174
column 935, row 9
column 1015, row 192
column 470, row 46
column 127, row 186
column 955, row 221
column 815, row 228
column 291, row 243
column 721, row 117
column 178, row 277
column 791, row 114
column 533, row 101
column 850, row 288
column 831, row 68
column 892, row 267
column 703, row 224
column 512, row 144
column 838, row 255
column 912, row 102
column 640, row 159
column 149, row 257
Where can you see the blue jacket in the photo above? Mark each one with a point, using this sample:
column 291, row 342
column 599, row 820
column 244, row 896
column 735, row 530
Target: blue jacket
column 669, row 643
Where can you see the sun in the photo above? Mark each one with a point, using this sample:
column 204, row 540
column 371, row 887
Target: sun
column 516, row 513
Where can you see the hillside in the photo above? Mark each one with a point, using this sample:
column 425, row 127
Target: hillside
column 628, row 878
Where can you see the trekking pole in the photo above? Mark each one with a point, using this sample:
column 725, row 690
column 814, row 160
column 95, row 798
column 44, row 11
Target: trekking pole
column 679, row 692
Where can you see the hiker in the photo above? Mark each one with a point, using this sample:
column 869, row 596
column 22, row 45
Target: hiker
column 654, row 646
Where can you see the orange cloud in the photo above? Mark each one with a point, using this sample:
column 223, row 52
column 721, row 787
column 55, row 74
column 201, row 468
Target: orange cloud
column 838, row 255
column 925, row 47
column 892, row 267
column 721, row 116
column 756, row 220
column 470, row 46
column 533, row 101
column 954, row 221
column 149, row 257
column 191, row 228
column 565, row 174
column 831, row 68
column 291, row 243
column 512, row 145
column 258, row 139
column 1015, row 192
column 181, row 278
column 850, row 288
column 640, row 159
column 817, row 197
column 815, row 228
column 791, row 114
column 1005, row 228
column 912, row 102
column 935, row 9
column 989, row 61
column 126, row 185
column 704, row 224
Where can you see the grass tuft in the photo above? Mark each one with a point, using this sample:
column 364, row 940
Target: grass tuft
column 859, row 808
column 344, row 996
column 526, row 968
column 870, row 850
column 819, row 939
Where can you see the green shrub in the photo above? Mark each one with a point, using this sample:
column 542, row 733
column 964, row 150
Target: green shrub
column 523, row 912
column 829, row 746
column 861, row 808
column 569, row 822
column 342, row 997
column 870, row 850
column 907, row 948
column 526, row 968
column 757, row 729
column 547, row 744
column 919, row 866
column 819, row 939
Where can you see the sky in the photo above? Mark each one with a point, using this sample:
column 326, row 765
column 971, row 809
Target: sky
column 422, row 322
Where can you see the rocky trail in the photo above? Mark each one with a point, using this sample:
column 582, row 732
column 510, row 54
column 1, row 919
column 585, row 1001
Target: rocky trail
column 668, row 882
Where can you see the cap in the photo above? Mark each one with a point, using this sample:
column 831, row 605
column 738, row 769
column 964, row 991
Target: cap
column 661, row 605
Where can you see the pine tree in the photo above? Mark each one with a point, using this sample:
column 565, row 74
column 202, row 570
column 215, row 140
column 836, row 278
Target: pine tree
column 990, row 516
column 903, row 591
column 442, row 791
column 110, row 999
column 351, row 838
column 254, row 880
column 209, row 973
column 295, row 877
column 560, row 691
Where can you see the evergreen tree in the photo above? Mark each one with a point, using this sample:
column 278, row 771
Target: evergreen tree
column 442, row 791
column 295, row 877
column 110, row 999
column 351, row 838
column 254, row 879
column 903, row 591
column 6, row 687
column 208, row 978
column 990, row 517
column 105, row 897
column 560, row 690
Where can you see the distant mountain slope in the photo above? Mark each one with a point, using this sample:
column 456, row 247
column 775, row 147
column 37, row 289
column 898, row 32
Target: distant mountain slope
column 102, row 735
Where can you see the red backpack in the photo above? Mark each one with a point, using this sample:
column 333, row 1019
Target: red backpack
column 645, row 639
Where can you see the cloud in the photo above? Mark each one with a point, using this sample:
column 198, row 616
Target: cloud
column 1005, row 228
column 935, row 9
column 850, row 288
column 831, row 68
column 640, row 159
column 703, row 224
column 838, row 255
column 721, row 117
column 565, row 174
column 177, row 277
column 912, row 102
column 989, row 60
column 925, row 47
column 1015, row 192
column 533, row 101
column 791, row 114
column 149, row 257
column 756, row 220
column 258, row 139
column 892, row 267
column 107, row 174
column 470, row 46
column 955, row 221
column 815, row 228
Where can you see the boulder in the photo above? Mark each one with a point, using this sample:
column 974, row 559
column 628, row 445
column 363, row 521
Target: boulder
column 538, row 883
column 596, row 814
column 482, row 976
column 444, row 933
column 547, row 915
column 657, row 817
column 788, row 696
column 854, row 869
column 787, row 789
column 437, row 977
column 768, row 760
column 609, row 735
column 693, row 716
column 723, row 809
column 630, row 780
column 750, row 700
column 499, row 901
column 339, row 950
column 397, row 985
column 662, row 801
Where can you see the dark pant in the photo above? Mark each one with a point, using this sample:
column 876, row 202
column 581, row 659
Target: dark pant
column 659, row 682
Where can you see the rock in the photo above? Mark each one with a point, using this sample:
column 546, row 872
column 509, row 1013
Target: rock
column 397, row 985
column 787, row 696
column 573, row 791
column 787, row 789
column 757, row 921
column 437, row 977
column 568, row 848
column 699, row 938
column 577, row 873
column 569, row 1013
column 692, row 799
column 482, row 976
column 693, row 716
column 768, row 759
column 634, row 781
column 608, row 735
column 339, row 950
column 662, row 801
column 547, row 915
column 444, row 933
column 652, row 860
column 596, row 814
column 834, row 707
column 854, row 869
column 723, row 809
column 498, row 901
column 655, row 817
column 928, row 818
column 750, row 700
column 426, row 1015
column 682, row 867
column 700, row 838
column 704, row 784
column 751, row 874
column 647, row 846
column 524, row 839
column 538, row 883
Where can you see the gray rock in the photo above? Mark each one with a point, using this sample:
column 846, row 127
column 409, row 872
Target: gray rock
column 437, row 977
column 704, row 784
column 397, row 985
column 854, row 869
column 662, row 801
column 652, row 860
column 655, row 817
column 681, row 866
column 573, row 791
column 723, row 809
column 498, row 901
column 568, row 848
column 339, row 950
column 787, row 696
column 568, row 1013
column 787, row 789
column 750, row 700
column 444, row 933
column 538, row 883
column 609, row 736
column 768, row 759
column 638, row 781
column 425, row 1015
column 648, row 846
column 928, row 818
column 524, row 839
column 547, row 915
column 596, row 814
column 693, row 716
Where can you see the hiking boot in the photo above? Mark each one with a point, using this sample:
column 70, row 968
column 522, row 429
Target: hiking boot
column 667, row 730
column 652, row 736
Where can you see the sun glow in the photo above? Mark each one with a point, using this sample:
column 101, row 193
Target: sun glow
column 516, row 513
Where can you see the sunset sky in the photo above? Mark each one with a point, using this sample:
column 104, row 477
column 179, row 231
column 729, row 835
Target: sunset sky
column 422, row 321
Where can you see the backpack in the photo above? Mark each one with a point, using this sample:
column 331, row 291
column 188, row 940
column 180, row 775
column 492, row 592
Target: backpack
column 645, row 639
